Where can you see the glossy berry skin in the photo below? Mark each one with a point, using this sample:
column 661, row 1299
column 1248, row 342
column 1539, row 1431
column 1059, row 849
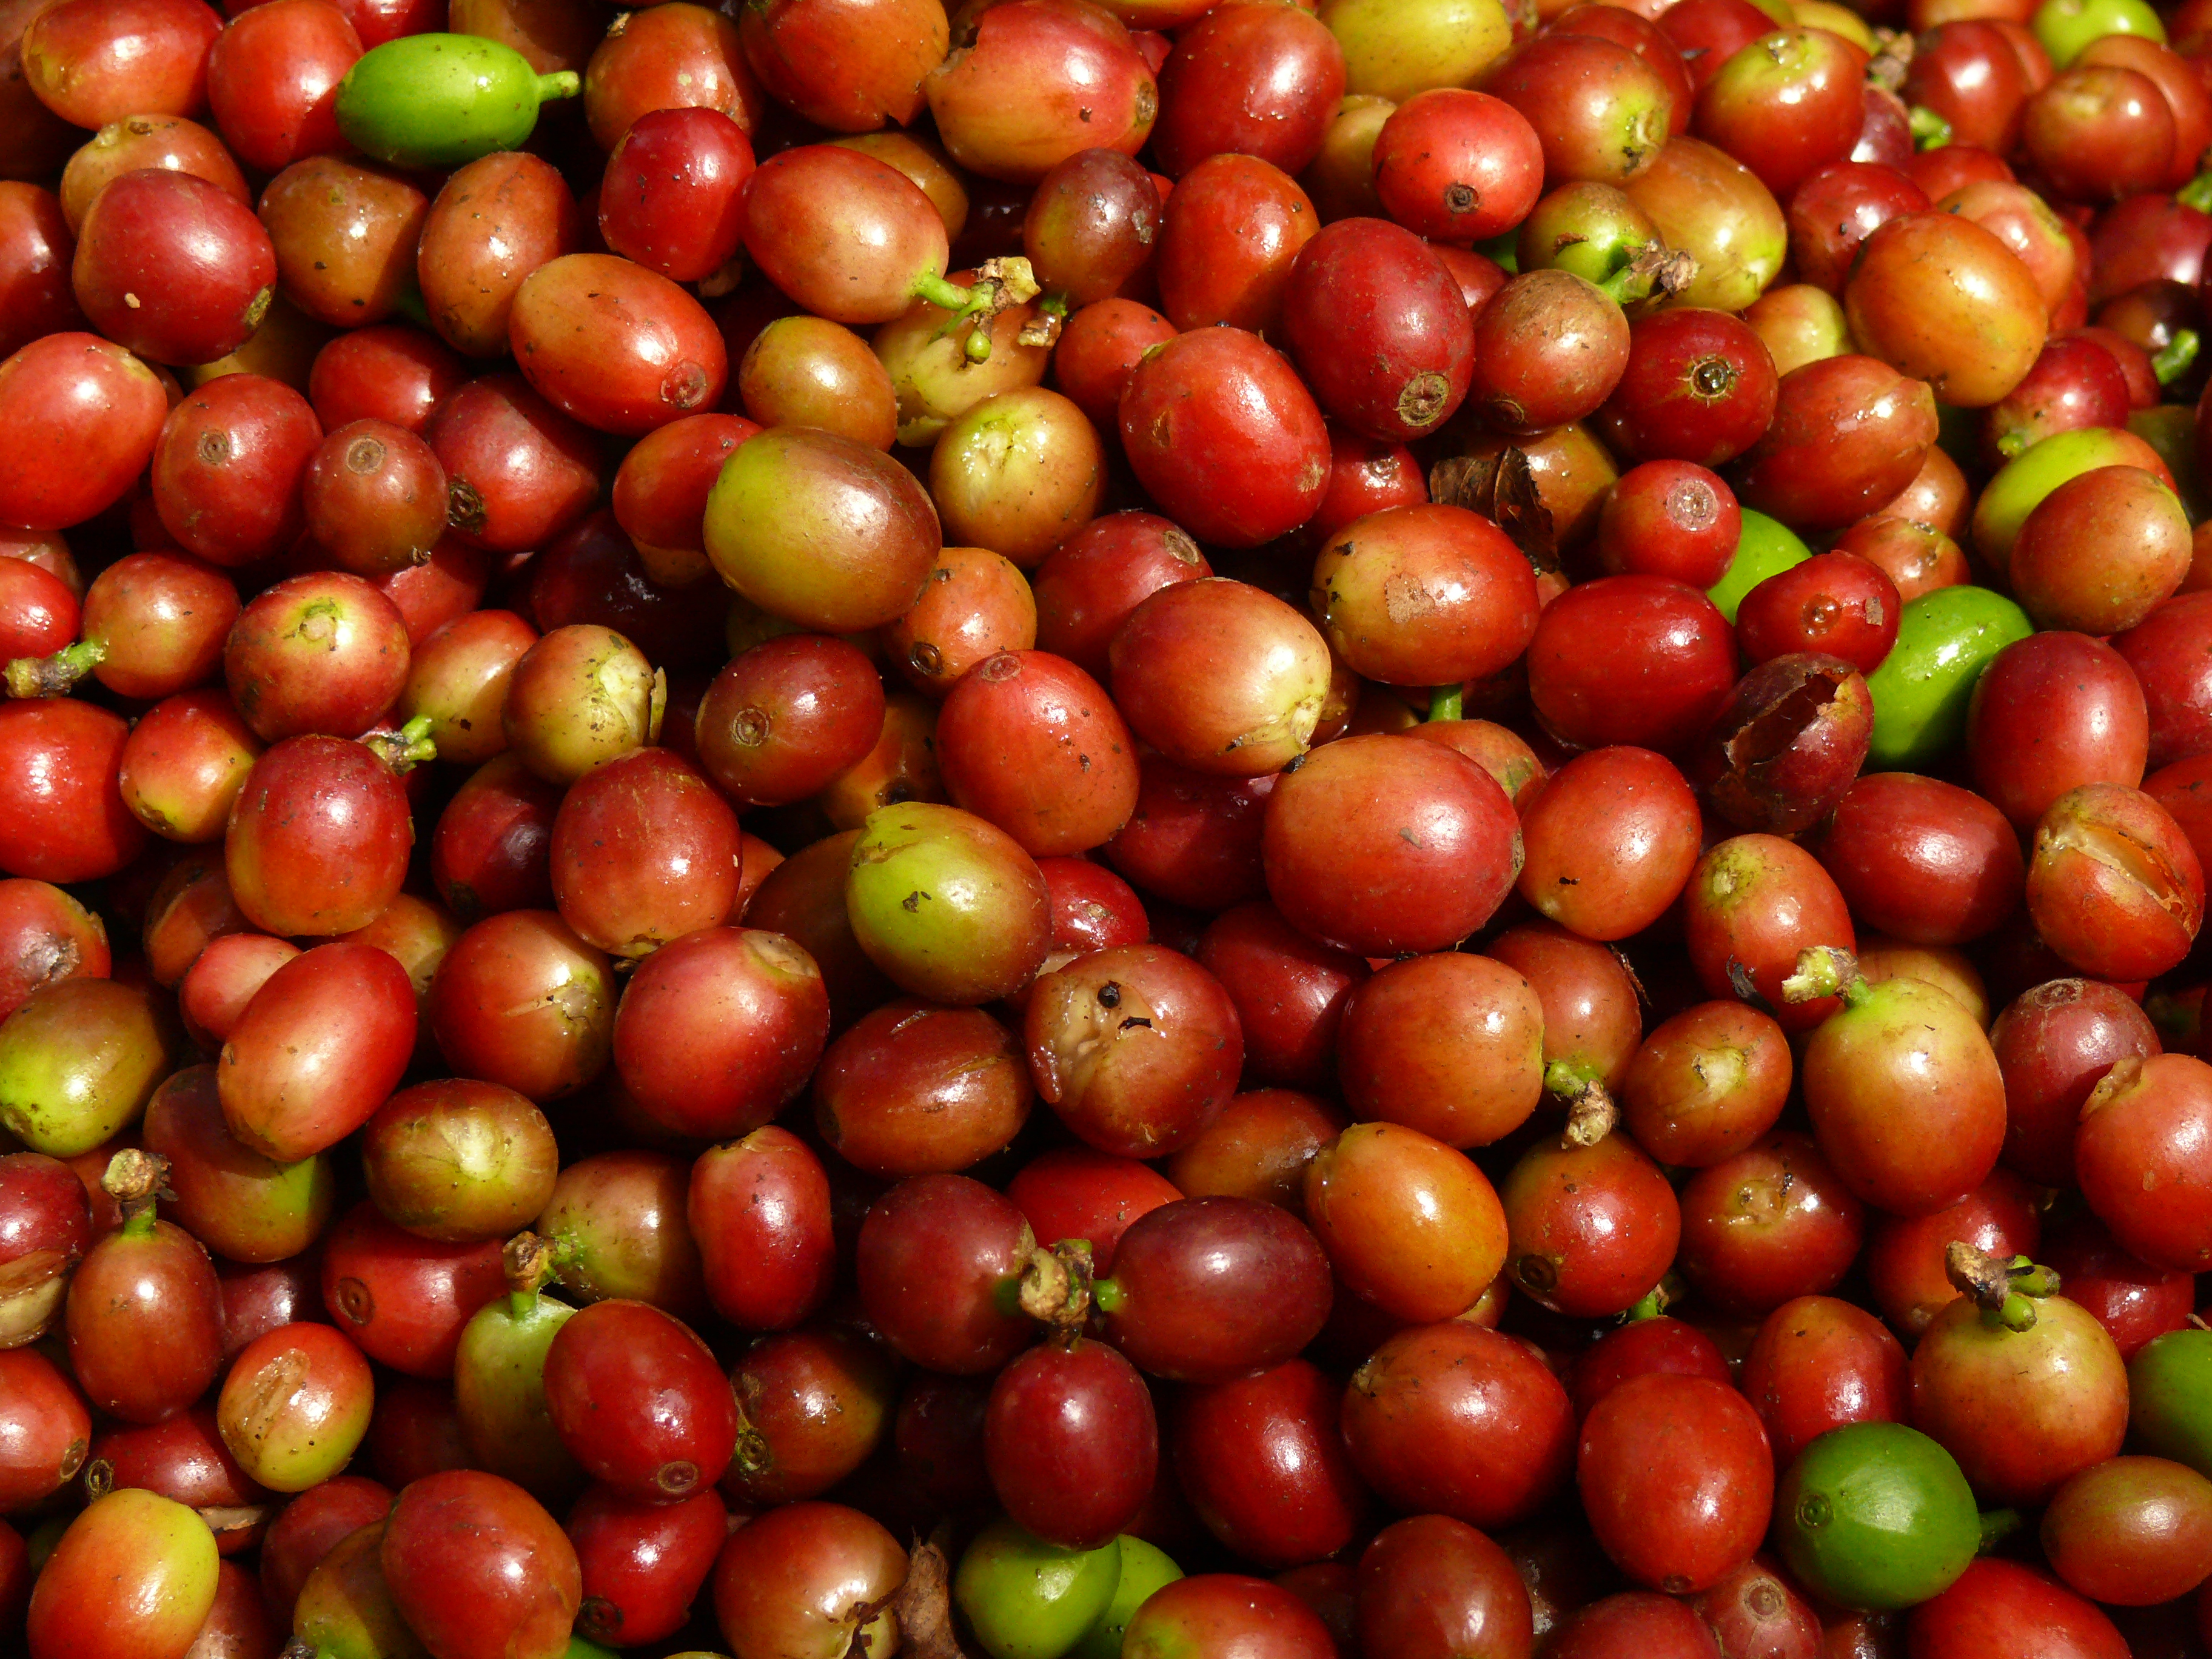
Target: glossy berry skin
column 1998, row 1607
column 174, row 267
column 1631, row 660
column 2135, row 921
column 1071, row 1442
column 915, row 1088
column 1640, row 1348
column 1433, row 1585
column 719, row 1029
column 1898, row 1039
column 1636, row 1622
column 140, row 1323
column 1262, row 1463
column 1225, row 437
column 1410, row 1224
column 615, row 346
column 1378, row 329
column 2055, row 1043
column 643, row 1564
column 933, row 1256
column 759, row 1209
column 324, row 1042
column 640, row 1401
column 1700, row 385
column 806, row 1579
column 1135, row 1047
column 1591, row 1228
column 403, row 1299
column 62, row 814
column 644, row 850
column 1428, row 868
column 295, row 1404
column 1457, row 166
column 1074, row 1192
column 307, row 1529
column 134, row 1574
column 1032, row 743
column 1207, row 1289
column 1676, row 1479
column 2021, row 1410
column 1482, row 597
column 1260, row 83
column 319, row 838
column 1920, row 860
column 1220, row 677
column 88, row 412
column 1457, row 1421
column 479, row 1570
column 48, row 1428
column 674, row 192
column 2135, row 1154
column 1226, row 1613
column 1819, row 1363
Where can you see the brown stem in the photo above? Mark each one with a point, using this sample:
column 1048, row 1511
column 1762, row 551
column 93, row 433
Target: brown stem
column 1591, row 1116
column 1825, row 970
column 2005, row 1289
column 134, row 1180
column 923, row 1605
column 404, row 748
column 1887, row 69
column 527, row 1261
column 1976, row 1274
column 1653, row 272
column 1055, row 1287
column 55, row 676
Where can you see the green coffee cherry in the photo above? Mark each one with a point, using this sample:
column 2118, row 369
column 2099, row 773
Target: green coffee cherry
column 1028, row 1599
column 439, row 100
column 1764, row 547
column 1921, row 690
column 2067, row 27
column 1145, row 1568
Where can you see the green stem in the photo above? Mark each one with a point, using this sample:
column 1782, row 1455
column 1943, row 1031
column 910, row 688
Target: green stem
column 2035, row 1281
column 527, row 1259
column 2196, row 193
column 950, row 297
column 1930, row 130
column 1055, row 1285
column 561, row 84
column 1591, row 1113
column 1569, row 1078
column 1652, row 269
column 1652, row 1304
column 2005, row 1289
column 407, row 748
column 1446, row 702
column 1043, row 327
column 133, row 1179
column 54, row 676
column 2173, row 362
column 1826, row 970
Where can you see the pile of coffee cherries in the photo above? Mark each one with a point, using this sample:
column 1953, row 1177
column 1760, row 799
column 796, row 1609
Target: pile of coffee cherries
column 1104, row 829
